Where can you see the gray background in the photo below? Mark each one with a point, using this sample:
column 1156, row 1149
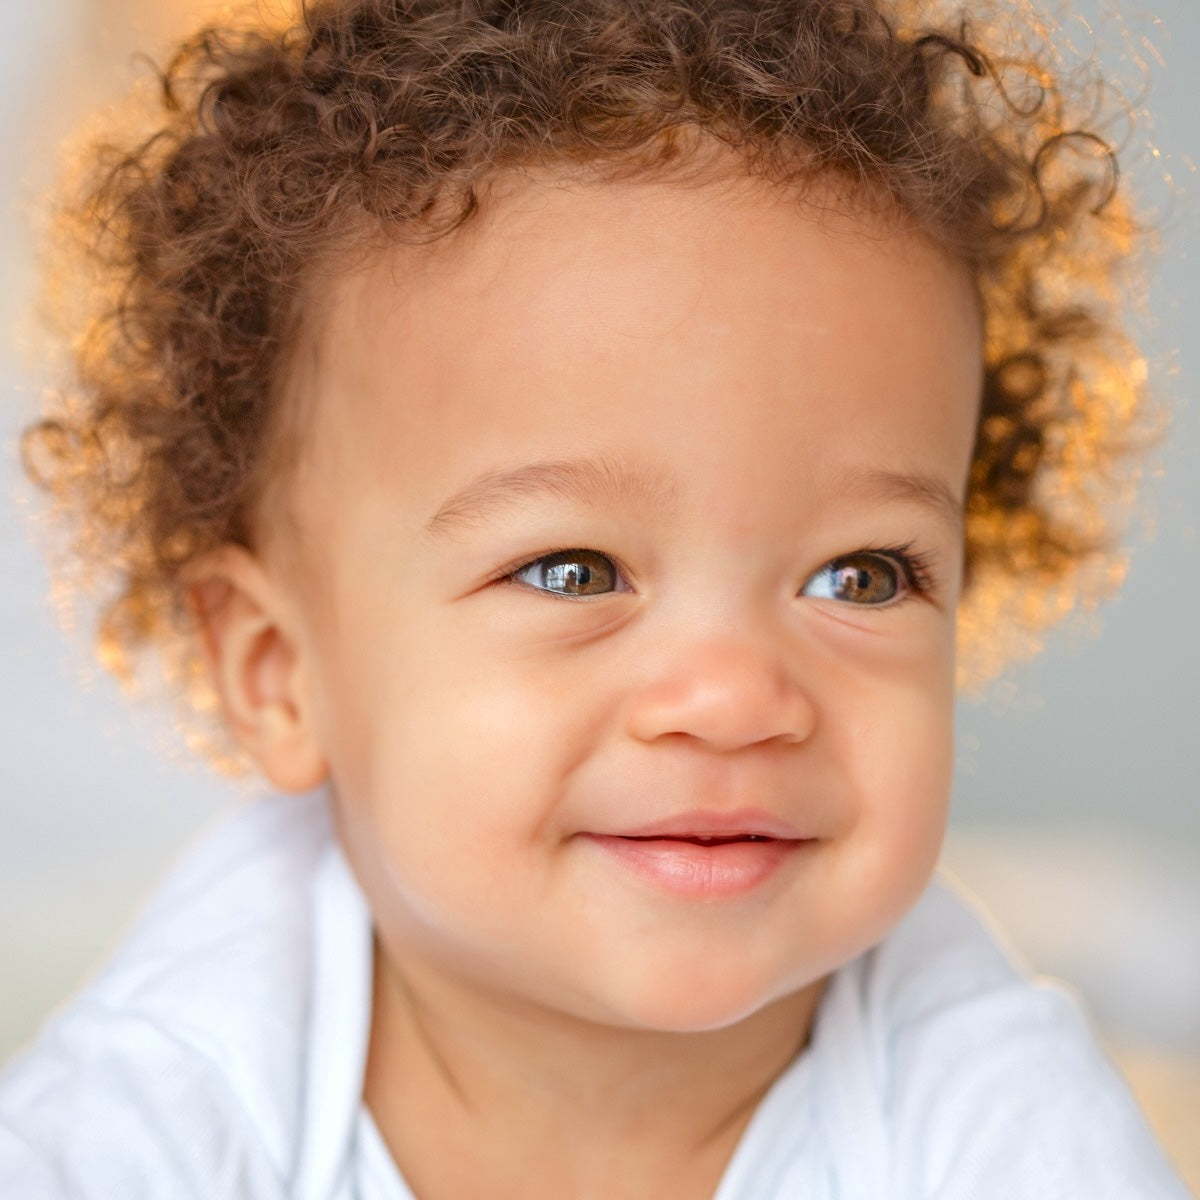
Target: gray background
column 1077, row 810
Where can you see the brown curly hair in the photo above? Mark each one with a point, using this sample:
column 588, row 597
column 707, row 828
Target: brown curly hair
column 275, row 150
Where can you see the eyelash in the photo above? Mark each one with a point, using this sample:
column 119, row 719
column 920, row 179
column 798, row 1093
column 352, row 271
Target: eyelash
column 916, row 568
column 915, row 565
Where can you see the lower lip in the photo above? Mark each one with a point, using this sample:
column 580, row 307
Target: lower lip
column 696, row 871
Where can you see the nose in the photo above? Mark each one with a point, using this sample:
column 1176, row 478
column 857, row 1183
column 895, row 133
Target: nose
column 728, row 696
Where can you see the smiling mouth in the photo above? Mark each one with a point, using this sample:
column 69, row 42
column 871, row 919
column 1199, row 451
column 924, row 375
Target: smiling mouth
column 700, row 839
column 702, row 866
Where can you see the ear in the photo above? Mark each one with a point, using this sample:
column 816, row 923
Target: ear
column 257, row 664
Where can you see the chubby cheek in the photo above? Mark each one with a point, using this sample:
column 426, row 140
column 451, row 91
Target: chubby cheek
column 898, row 763
column 449, row 765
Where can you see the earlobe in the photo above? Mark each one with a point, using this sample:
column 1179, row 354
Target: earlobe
column 256, row 662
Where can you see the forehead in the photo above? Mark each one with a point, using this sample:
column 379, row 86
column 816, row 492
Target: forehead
column 599, row 263
column 629, row 312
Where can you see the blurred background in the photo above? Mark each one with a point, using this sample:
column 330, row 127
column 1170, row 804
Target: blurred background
column 1077, row 807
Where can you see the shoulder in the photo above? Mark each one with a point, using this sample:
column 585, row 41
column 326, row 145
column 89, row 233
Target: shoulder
column 991, row 1082
column 184, row 1054
column 112, row 1104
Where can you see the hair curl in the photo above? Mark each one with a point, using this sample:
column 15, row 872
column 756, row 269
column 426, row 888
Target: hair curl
column 274, row 149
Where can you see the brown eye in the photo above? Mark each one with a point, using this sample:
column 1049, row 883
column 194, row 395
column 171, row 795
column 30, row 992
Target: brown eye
column 863, row 578
column 571, row 573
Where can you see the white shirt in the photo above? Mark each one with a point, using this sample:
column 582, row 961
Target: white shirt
column 220, row 1056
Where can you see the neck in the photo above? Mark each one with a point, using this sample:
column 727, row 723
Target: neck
column 450, row 1069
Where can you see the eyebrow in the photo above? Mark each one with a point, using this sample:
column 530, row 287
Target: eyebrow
column 929, row 491
column 604, row 480
column 590, row 481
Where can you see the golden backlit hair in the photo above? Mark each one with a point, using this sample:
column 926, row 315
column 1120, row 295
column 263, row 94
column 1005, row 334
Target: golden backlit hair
column 272, row 150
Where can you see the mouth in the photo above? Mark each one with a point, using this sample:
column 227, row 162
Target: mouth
column 703, row 839
column 706, row 828
column 701, row 864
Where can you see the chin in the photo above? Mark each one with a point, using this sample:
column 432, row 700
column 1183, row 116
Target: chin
column 680, row 1001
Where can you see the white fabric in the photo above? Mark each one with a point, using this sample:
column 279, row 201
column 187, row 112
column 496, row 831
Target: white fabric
column 220, row 1056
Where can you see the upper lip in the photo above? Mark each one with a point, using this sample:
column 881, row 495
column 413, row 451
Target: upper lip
column 742, row 822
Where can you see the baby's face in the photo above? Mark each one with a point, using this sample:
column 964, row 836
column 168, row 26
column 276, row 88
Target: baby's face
column 631, row 519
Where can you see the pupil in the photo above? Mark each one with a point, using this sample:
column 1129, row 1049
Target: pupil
column 568, row 576
column 863, row 582
column 854, row 581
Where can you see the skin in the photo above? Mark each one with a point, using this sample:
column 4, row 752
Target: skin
column 759, row 363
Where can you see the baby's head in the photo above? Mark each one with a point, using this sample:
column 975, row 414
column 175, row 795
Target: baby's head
column 567, row 428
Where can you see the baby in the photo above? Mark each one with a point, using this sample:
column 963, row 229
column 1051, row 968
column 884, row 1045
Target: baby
column 566, row 443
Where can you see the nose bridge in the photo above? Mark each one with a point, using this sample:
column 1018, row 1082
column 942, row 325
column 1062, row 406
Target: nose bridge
column 728, row 688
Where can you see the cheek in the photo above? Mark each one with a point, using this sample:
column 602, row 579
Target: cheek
column 445, row 753
column 903, row 754
column 900, row 766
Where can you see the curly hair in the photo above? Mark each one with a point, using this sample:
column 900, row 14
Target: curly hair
column 276, row 149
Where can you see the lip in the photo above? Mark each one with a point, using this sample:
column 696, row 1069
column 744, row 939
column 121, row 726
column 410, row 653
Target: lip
column 742, row 822
column 697, row 872
column 661, row 852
